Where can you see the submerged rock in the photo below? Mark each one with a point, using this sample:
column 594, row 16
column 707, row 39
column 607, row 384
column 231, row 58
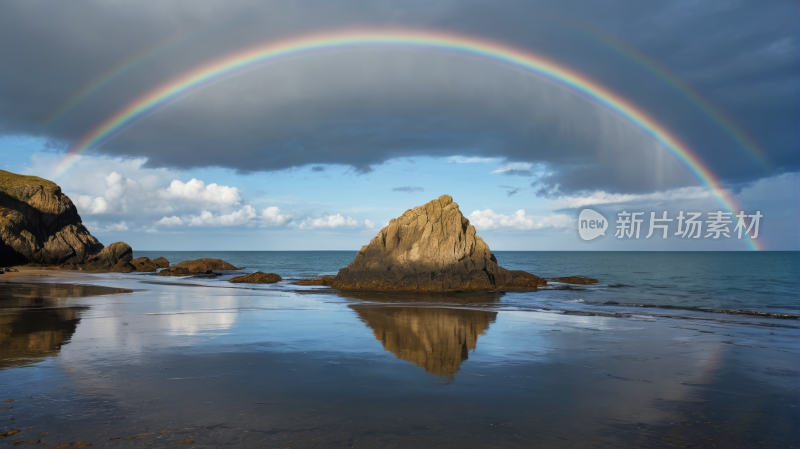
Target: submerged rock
column 257, row 278
column 431, row 248
column 324, row 281
column 175, row 271
column 575, row 280
column 207, row 264
column 192, row 267
column 206, row 274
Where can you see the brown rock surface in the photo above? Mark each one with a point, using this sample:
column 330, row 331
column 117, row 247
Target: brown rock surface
column 192, row 267
column 144, row 264
column 431, row 248
column 257, row 278
column 161, row 262
column 575, row 280
column 176, row 271
column 207, row 264
column 111, row 256
column 324, row 280
column 39, row 224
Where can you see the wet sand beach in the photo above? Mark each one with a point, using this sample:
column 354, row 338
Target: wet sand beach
column 130, row 361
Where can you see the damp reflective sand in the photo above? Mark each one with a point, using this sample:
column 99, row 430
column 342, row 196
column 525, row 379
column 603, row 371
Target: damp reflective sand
column 141, row 363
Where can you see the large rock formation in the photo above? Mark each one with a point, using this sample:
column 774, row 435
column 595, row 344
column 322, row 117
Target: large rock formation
column 39, row 224
column 431, row 248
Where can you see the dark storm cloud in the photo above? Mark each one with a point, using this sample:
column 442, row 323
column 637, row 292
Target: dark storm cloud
column 364, row 107
column 408, row 189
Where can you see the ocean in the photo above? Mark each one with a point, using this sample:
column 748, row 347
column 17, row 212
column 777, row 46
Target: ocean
column 678, row 283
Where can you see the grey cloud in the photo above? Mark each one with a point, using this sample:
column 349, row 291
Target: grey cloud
column 511, row 191
column 318, row 168
column 364, row 107
column 518, row 172
column 408, row 189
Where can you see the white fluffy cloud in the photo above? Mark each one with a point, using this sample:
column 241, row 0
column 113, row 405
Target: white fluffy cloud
column 92, row 226
column 272, row 216
column 170, row 221
column 331, row 221
column 242, row 216
column 197, row 192
column 88, row 205
column 514, row 166
column 124, row 187
column 488, row 219
column 124, row 195
column 247, row 215
column 596, row 198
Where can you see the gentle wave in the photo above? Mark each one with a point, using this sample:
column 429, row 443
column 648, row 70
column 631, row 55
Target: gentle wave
column 700, row 309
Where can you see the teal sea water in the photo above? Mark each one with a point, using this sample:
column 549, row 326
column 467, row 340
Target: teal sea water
column 640, row 282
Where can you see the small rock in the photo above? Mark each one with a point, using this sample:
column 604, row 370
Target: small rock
column 324, row 280
column 575, row 280
column 191, row 267
column 161, row 262
column 257, row 278
column 9, row 433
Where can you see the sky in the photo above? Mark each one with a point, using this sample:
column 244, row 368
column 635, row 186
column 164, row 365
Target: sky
column 320, row 149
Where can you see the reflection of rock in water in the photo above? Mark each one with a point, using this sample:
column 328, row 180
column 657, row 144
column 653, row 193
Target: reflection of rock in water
column 437, row 340
column 28, row 335
column 23, row 294
column 33, row 321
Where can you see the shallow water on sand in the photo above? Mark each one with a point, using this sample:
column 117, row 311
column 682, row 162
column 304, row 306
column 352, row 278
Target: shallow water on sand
column 278, row 366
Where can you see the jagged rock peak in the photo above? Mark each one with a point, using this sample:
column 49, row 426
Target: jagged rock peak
column 430, row 248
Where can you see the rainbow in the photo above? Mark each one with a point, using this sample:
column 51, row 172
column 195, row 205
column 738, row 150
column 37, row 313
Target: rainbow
column 107, row 77
column 631, row 53
column 251, row 57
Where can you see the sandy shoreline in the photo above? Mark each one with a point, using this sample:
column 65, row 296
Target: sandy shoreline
column 27, row 272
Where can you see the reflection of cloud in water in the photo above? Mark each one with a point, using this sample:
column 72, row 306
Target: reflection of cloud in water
column 193, row 322
column 434, row 339
column 133, row 333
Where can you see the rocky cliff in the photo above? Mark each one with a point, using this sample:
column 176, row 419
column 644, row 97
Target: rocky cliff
column 431, row 248
column 39, row 224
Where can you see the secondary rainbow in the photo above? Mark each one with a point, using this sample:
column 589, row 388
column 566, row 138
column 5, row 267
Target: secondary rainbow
column 257, row 55
column 631, row 53
column 107, row 77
